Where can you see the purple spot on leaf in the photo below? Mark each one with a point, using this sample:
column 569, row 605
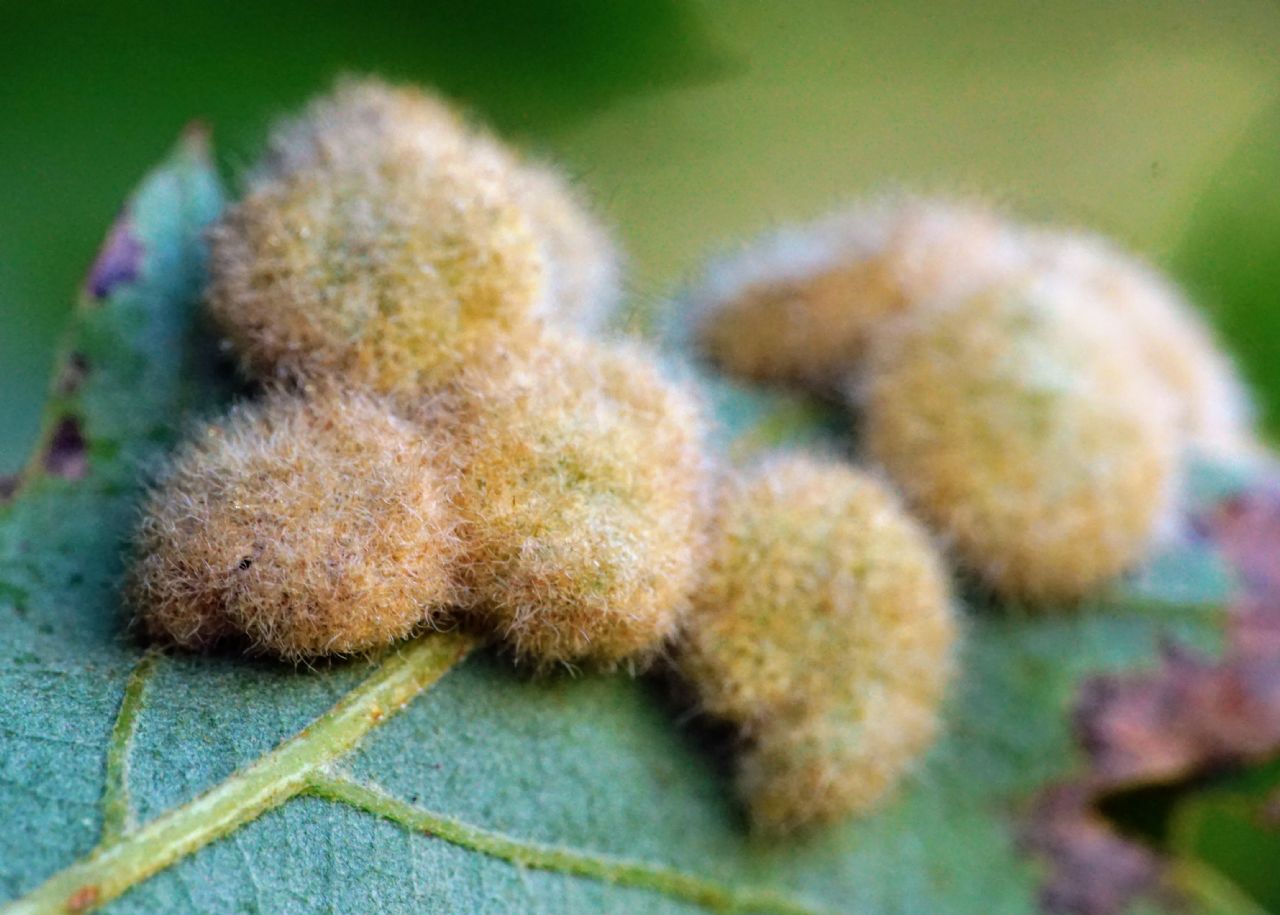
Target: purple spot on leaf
column 119, row 261
column 67, row 455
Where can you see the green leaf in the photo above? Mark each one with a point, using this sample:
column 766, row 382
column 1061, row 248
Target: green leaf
column 1228, row 258
column 148, row 781
column 1233, row 827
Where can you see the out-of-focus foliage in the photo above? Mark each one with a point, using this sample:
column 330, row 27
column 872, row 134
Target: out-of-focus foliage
column 1230, row 256
column 693, row 123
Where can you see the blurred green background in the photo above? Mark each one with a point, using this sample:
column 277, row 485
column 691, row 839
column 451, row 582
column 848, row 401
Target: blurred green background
column 692, row 123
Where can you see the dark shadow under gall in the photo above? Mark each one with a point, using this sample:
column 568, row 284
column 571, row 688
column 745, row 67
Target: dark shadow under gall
column 715, row 741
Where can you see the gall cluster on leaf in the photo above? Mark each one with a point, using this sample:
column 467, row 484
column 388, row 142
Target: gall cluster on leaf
column 441, row 443
column 1031, row 391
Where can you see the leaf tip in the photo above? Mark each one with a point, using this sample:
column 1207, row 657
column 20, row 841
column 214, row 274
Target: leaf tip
column 196, row 140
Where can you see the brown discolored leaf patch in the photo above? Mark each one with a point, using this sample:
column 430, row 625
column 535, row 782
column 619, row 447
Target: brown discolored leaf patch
column 1094, row 868
column 1248, row 530
column 67, row 454
column 1191, row 716
column 9, row 484
column 118, row 262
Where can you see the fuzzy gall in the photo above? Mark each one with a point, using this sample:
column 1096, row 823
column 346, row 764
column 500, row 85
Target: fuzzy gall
column 582, row 496
column 1022, row 427
column 801, row 305
column 304, row 525
column 824, row 630
column 389, row 274
column 363, row 120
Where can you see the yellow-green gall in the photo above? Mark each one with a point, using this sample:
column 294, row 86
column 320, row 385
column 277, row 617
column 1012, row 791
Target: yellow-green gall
column 801, row 305
column 389, row 273
column 307, row 524
column 581, row 497
column 1213, row 406
column 824, row 630
column 1024, row 427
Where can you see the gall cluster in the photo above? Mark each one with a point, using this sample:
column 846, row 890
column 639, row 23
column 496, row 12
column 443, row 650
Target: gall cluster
column 1032, row 392
column 445, row 437
column 439, row 442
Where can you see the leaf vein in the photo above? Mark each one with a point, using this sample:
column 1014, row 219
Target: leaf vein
column 117, row 807
column 111, row 869
column 555, row 858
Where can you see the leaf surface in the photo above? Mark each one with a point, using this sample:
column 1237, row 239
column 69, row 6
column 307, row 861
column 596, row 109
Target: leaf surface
column 145, row 781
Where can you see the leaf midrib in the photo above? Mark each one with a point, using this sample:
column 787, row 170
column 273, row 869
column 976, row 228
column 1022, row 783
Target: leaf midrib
column 116, row 865
column 304, row 765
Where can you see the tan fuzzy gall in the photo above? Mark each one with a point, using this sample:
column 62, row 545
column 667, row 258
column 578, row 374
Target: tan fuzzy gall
column 1212, row 404
column 1025, row 428
column 390, row 275
column 308, row 524
column 824, row 630
column 805, row 767
column 801, row 305
column 582, row 498
column 379, row 239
